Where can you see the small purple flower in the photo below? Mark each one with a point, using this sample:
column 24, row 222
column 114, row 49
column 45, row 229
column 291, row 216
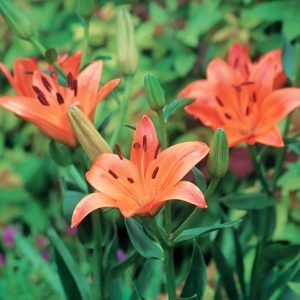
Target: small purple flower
column 8, row 236
column 121, row 255
column 46, row 255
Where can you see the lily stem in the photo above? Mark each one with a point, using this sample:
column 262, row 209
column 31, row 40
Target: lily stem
column 124, row 104
column 37, row 44
column 170, row 272
column 85, row 48
column 163, row 129
column 195, row 214
column 97, row 256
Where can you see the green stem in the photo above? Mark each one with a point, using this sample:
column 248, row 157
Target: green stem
column 124, row 104
column 195, row 214
column 125, row 264
column 86, row 28
column 281, row 155
column 170, row 272
column 163, row 129
column 158, row 232
column 259, row 169
column 36, row 43
column 97, row 256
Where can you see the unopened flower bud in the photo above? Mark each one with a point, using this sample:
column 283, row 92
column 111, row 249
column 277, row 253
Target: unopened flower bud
column 218, row 159
column 87, row 135
column 85, row 8
column 16, row 19
column 126, row 45
column 154, row 93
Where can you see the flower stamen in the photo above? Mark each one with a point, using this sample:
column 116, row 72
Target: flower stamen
column 145, row 143
column 46, row 84
column 118, row 151
column 156, row 151
column 155, row 172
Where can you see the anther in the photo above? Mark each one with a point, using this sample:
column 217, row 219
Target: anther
column 156, row 151
column 237, row 88
column 37, row 90
column 219, row 101
column 46, row 84
column 130, row 180
column 75, row 87
column 59, row 98
column 247, row 83
column 145, row 143
column 118, row 151
column 70, row 81
column 254, row 97
column 136, row 145
column 155, row 172
column 43, row 99
column 228, row 116
column 113, row 174
column 247, row 111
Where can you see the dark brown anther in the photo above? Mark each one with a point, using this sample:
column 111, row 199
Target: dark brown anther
column 254, row 97
column 145, row 143
column 37, row 90
column 70, row 81
column 220, row 102
column 247, row 111
column 237, row 88
column 59, row 98
column 113, row 174
column 136, row 145
column 43, row 99
column 75, row 87
column 247, row 83
column 155, row 171
column 156, row 151
column 130, row 180
column 118, row 151
column 228, row 116
column 46, row 84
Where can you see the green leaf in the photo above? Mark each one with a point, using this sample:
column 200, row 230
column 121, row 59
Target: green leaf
column 288, row 58
column 71, row 199
column 141, row 242
column 60, row 153
column 248, row 201
column 170, row 107
column 225, row 271
column 192, row 233
column 149, row 280
column 200, row 180
column 278, row 252
column 105, row 123
column 72, row 279
column 29, row 252
column 295, row 287
column 196, row 279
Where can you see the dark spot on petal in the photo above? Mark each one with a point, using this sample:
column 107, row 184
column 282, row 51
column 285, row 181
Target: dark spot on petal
column 75, row 85
column 43, row 99
column 59, row 98
column 136, row 145
column 254, row 97
column 220, row 102
column 130, row 180
column 113, row 174
column 155, row 172
column 228, row 116
column 145, row 143
column 156, row 151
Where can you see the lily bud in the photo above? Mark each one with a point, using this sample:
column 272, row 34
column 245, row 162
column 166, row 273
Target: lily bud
column 16, row 19
column 154, row 93
column 85, row 8
column 87, row 135
column 218, row 159
column 126, row 45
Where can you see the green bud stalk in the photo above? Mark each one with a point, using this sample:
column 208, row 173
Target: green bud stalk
column 85, row 8
column 218, row 159
column 87, row 135
column 16, row 19
column 154, row 93
column 126, row 46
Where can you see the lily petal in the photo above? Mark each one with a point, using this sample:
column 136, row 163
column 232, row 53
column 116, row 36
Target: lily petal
column 88, row 83
column 272, row 138
column 144, row 144
column 172, row 165
column 90, row 203
column 106, row 89
column 185, row 191
column 276, row 106
column 71, row 64
column 117, row 178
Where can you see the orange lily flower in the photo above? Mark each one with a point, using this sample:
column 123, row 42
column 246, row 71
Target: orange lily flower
column 142, row 184
column 21, row 80
column 247, row 110
column 48, row 107
column 238, row 57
